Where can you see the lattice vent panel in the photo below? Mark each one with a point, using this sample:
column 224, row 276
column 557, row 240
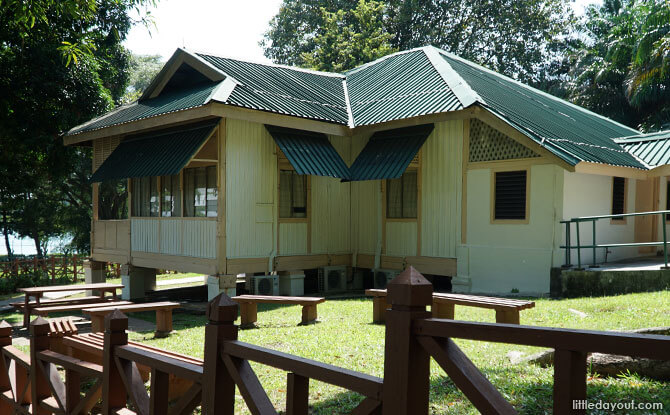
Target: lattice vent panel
column 489, row 144
column 102, row 148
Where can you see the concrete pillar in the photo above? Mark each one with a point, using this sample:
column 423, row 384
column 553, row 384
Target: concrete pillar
column 136, row 281
column 217, row 284
column 94, row 273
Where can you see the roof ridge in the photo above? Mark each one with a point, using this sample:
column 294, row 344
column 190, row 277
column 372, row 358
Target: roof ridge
column 270, row 64
column 644, row 137
column 545, row 94
column 453, row 79
column 347, row 103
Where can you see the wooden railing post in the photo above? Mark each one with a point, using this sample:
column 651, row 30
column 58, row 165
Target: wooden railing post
column 5, row 385
column 569, row 382
column 406, row 363
column 39, row 386
column 218, row 387
column 113, row 391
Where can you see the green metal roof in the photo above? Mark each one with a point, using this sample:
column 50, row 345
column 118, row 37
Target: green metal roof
column 398, row 86
column 173, row 101
column 285, row 90
column 401, row 86
column 155, row 154
column 652, row 149
column 388, row 153
column 572, row 133
column 309, row 153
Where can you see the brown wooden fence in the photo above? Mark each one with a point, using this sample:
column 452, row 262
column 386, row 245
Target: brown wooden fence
column 55, row 267
column 412, row 338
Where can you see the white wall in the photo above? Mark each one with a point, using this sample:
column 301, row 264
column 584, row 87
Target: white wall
column 591, row 195
column 500, row 257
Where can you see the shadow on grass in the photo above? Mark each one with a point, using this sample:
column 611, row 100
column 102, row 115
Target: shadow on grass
column 528, row 394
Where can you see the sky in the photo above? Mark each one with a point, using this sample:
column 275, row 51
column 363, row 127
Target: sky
column 230, row 28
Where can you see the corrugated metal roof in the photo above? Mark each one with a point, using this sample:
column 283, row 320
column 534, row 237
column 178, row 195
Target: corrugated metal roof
column 156, row 154
column 388, row 153
column 400, row 86
column 309, row 153
column 571, row 132
column 285, row 90
column 653, row 149
column 179, row 100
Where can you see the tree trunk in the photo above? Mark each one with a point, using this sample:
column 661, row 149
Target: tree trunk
column 5, row 232
column 38, row 245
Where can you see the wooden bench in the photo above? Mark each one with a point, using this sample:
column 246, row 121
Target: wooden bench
column 163, row 315
column 507, row 310
column 249, row 306
column 58, row 329
column 89, row 347
column 45, row 311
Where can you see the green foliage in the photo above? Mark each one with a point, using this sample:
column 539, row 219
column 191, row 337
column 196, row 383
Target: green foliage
column 143, row 69
column 46, row 90
column 517, row 38
column 622, row 70
column 350, row 38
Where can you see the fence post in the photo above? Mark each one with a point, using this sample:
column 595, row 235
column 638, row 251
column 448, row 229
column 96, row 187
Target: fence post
column 218, row 387
column 5, row 384
column 74, row 268
column 113, row 391
column 39, row 386
column 406, row 363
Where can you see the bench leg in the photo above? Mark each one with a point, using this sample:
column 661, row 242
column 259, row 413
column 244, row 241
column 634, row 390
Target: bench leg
column 163, row 322
column 248, row 312
column 379, row 307
column 26, row 312
column 443, row 310
column 507, row 316
column 308, row 313
column 97, row 323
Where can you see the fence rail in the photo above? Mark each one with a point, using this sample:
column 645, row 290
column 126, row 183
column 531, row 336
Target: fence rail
column 412, row 339
column 594, row 245
column 55, row 267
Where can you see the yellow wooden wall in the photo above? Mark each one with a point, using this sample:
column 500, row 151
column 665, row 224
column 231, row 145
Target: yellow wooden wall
column 189, row 237
column 441, row 182
column 251, row 187
column 365, row 207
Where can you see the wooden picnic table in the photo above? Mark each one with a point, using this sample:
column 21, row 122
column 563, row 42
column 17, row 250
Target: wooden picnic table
column 38, row 293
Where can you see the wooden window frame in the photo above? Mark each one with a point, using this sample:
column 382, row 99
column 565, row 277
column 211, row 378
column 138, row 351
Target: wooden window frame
column 493, row 219
column 623, row 220
column 283, row 164
column 667, row 198
column 411, row 167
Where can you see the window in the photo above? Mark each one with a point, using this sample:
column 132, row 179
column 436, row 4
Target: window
column 145, row 196
column 200, row 192
column 170, row 196
column 618, row 197
column 113, row 199
column 292, row 194
column 402, row 196
column 510, row 195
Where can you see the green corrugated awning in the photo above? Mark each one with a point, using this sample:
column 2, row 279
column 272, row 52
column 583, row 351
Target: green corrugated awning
column 388, row 153
column 309, row 153
column 160, row 153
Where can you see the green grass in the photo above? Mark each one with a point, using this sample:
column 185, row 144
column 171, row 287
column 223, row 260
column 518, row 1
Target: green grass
column 345, row 337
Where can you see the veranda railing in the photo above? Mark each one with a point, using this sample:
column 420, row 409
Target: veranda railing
column 594, row 245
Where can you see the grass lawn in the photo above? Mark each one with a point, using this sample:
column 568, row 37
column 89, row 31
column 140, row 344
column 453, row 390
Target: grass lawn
column 345, row 337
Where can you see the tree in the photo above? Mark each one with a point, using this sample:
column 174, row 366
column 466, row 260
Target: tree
column 46, row 90
column 143, row 69
column 349, row 38
column 515, row 37
column 622, row 70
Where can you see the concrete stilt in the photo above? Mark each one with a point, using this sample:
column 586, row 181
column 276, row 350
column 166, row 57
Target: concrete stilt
column 136, row 281
column 217, row 284
column 94, row 273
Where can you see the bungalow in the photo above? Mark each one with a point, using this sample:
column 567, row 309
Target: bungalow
column 419, row 158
